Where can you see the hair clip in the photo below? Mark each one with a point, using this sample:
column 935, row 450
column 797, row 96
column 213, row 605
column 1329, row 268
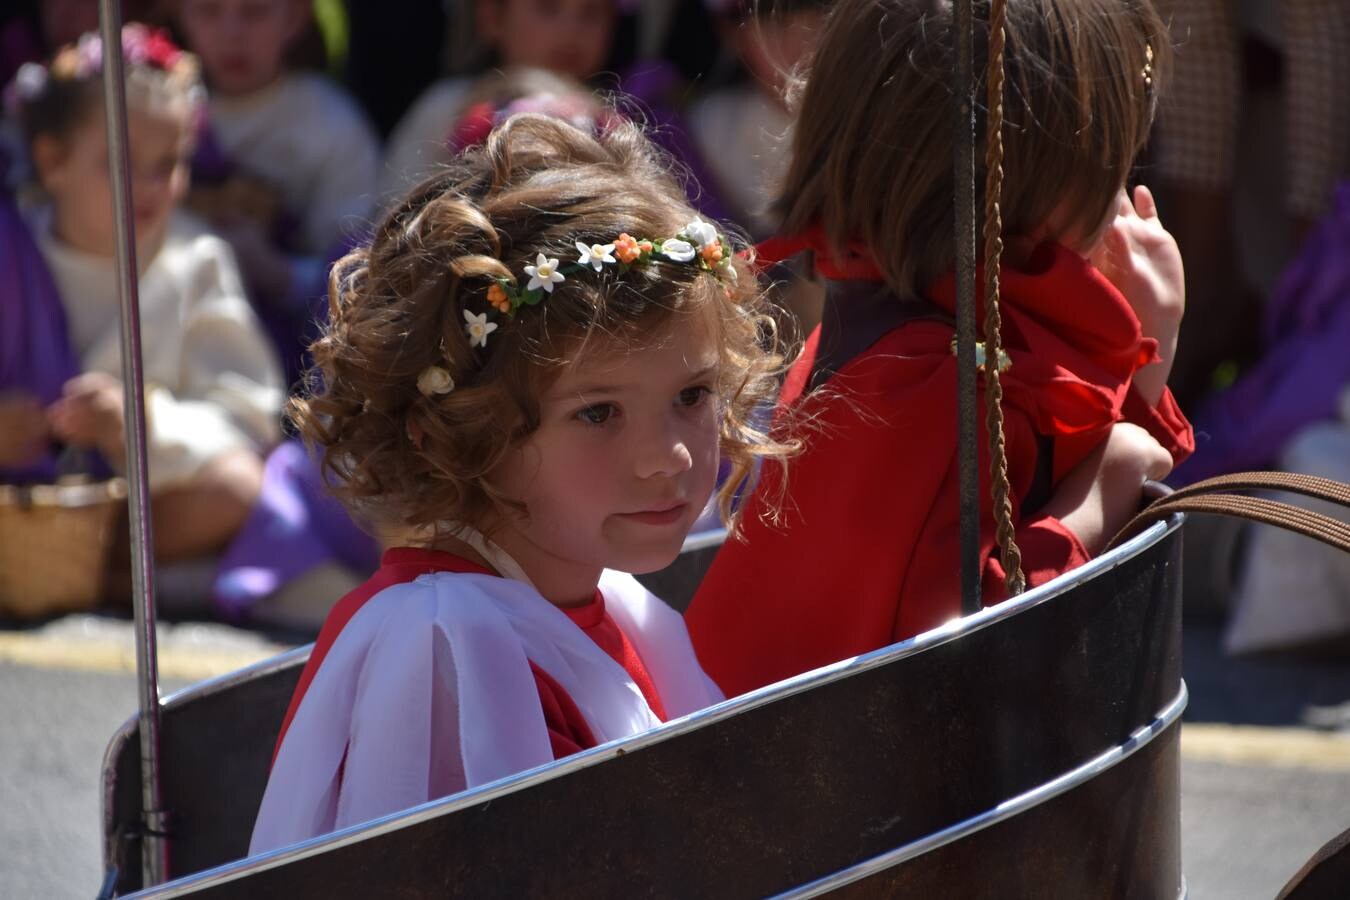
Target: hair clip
column 1148, row 69
column 434, row 381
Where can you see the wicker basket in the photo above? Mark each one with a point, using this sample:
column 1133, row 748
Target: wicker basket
column 54, row 544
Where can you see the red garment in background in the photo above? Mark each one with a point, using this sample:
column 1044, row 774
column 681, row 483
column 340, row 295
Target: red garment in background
column 568, row 730
column 868, row 548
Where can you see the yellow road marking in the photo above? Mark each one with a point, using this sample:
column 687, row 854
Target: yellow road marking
column 93, row 655
column 1231, row 744
column 1262, row 746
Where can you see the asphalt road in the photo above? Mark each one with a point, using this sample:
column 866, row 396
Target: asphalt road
column 1260, row 792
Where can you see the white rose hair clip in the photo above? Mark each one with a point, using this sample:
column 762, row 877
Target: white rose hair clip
column 698, row 244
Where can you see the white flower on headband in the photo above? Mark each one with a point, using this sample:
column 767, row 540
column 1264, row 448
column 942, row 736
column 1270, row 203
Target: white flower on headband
column 727, row 271
column 30, row 80
column 478, row 327
column 596, row 255
column 677, row 250
column 701, row 233
column 543, row 274
column 435, row 380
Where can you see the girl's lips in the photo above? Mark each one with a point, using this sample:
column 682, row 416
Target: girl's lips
column 667, row 516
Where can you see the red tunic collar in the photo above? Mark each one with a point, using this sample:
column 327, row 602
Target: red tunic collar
column 397, row 566
column 1074, row 341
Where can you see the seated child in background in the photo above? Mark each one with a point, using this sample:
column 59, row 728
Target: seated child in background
column 742, row 129
column 531, row 373
column 569, row 38
column 867, row 549
column 213, row 388
column 296, row 185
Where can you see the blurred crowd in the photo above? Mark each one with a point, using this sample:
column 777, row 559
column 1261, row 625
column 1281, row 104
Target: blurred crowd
column 267, row 135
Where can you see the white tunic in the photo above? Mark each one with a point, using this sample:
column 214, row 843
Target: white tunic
column 212, row 383
column 1294, row 590
column 428, row 689
column 420, row 141
column 743, row 136
column 308, row 137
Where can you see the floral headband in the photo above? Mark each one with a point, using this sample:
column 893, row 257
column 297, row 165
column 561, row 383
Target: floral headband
column 698, row 244
column 141, row 46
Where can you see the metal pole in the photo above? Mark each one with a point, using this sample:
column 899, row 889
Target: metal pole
column 968, row 434
column 154, row 845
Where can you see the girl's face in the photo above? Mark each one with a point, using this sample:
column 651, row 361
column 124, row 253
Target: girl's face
column 570, row 37
column 74, row 172
column 623, row 461
column 242, row 43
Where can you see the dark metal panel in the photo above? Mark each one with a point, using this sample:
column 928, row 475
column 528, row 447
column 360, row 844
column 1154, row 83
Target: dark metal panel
column 795, row 789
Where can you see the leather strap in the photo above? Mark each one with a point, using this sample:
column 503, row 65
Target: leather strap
column 1212, row 496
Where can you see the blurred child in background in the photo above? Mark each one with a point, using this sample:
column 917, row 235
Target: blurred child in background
column 742, row 129
column 568, row 38
column 292, row 182
column 213, row 388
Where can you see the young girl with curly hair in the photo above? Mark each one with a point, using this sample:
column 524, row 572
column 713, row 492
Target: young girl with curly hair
column 528, row 380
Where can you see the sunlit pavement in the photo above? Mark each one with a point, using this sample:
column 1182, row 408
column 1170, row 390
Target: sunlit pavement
column 1261, row 791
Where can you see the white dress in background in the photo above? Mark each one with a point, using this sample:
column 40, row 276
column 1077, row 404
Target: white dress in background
column 420, row 141
column 743, row 136
column 308, row 137
column 212, row 381
column 1295, row 590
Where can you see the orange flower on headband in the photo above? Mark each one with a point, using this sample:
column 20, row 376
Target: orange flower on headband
column 497, row 297
column 626, row 248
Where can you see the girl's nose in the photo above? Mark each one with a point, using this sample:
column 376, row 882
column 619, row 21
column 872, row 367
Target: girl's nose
column 665, row 454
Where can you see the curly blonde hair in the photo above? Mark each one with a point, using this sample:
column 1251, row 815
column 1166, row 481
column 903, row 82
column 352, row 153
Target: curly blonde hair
column 400, row 458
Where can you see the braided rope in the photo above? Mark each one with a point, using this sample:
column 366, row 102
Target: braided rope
column 1009, row 554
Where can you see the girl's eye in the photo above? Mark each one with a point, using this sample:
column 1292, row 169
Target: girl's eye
column 596, row 415
column 694, row 396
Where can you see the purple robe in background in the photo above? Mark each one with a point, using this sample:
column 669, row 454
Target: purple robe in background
column 1305, row 366
column 648, row 86
column 295, row 525
column 35, row 353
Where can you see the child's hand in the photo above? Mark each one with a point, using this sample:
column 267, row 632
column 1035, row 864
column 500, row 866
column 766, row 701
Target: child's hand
column 1142, row 260
column 23, row 428
column 90, row 414
column 1100, row 495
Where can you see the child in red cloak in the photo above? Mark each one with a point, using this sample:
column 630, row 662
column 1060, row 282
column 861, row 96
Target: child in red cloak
column 865, row 551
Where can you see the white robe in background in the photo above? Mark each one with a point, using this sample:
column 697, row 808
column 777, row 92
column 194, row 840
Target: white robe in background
column 307, row 136
column 212, row 381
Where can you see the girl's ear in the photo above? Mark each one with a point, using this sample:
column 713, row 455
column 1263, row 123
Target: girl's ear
column 49, row 158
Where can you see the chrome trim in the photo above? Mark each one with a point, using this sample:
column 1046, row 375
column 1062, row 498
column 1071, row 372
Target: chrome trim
column 232, row 679
column 1140, row 737
column 702, row 540
column 726, row 709
column 155, row 846
column 198, row 691
column 108, row 789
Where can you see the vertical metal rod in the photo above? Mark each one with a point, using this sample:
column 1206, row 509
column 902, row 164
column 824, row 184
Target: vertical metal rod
column 968, row 435
column 154, row 857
